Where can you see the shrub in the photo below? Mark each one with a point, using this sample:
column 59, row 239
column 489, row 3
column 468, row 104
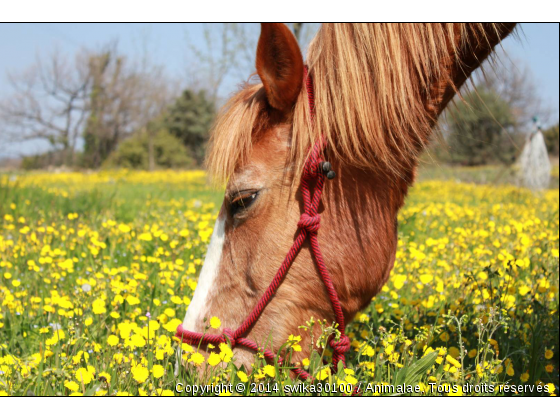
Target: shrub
column 190, row 119
column 482, row 130
column 133, row 153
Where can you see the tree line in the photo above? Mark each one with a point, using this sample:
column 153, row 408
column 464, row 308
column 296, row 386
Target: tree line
column 489, row 123
column 100, row 108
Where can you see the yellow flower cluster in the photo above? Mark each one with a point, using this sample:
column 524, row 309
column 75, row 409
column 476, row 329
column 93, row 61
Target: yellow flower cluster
column 97, row 271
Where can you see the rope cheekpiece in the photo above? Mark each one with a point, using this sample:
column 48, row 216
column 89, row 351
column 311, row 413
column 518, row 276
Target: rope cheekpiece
column 308, row 225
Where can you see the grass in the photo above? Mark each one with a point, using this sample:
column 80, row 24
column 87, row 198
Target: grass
column 489, row 174
column 97, row 270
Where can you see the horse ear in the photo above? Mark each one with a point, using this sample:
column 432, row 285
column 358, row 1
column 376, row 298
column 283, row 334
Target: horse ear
column 279, row 65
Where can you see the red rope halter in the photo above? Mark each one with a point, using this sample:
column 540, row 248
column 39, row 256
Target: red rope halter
column 308, row 225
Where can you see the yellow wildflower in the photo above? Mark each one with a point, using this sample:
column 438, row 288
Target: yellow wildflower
column 215, row 322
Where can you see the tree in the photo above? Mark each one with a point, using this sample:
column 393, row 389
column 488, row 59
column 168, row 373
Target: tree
column 504, row 102
column 103, row 124
column 100, row 96
column 190, row 119
column 124, row 98
column 481, row 129
column 49, row 103
column 513, row 82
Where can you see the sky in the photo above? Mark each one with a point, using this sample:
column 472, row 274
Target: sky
column 20, row 44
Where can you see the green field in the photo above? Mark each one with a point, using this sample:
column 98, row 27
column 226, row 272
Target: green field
column 97, row 270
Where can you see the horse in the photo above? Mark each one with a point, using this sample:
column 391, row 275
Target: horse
column 365, row 101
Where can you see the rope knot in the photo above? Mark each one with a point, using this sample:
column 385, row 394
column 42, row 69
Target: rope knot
column 228, row 333
column 309, row 223
column 342, row 345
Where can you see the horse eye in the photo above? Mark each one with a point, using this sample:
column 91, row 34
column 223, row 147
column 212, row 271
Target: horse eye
column 242, row 202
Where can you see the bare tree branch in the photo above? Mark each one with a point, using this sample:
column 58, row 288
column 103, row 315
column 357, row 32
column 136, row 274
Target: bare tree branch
column 49, row 103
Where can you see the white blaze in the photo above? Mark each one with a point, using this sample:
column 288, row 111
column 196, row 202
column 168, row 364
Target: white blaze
column 207, row 275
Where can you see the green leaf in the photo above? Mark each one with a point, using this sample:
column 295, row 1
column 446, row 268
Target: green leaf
column 412, row 374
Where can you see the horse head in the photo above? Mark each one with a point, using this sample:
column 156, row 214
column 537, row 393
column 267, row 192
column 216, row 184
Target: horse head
column 378, row 92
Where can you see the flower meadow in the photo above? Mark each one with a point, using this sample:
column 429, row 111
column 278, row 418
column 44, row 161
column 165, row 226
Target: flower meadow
column 97, row 270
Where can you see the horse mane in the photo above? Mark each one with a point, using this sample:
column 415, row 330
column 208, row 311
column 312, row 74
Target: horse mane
column 377, row 95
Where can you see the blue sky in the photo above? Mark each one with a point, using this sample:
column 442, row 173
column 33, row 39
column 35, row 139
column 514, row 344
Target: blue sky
column 539, row 49
column 20, row 44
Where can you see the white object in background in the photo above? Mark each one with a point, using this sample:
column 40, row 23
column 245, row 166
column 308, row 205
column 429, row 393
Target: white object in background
column 534, row 164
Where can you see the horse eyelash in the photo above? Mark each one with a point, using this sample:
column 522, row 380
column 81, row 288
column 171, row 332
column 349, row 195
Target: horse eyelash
column 243, row 195
column 240, row 195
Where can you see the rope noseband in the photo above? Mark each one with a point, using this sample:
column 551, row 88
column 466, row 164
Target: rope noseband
column 315, row 169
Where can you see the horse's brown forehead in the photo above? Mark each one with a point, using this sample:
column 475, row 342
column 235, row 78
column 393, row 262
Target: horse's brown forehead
column 272, row 145
column 248, row 176
column 266, row 160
